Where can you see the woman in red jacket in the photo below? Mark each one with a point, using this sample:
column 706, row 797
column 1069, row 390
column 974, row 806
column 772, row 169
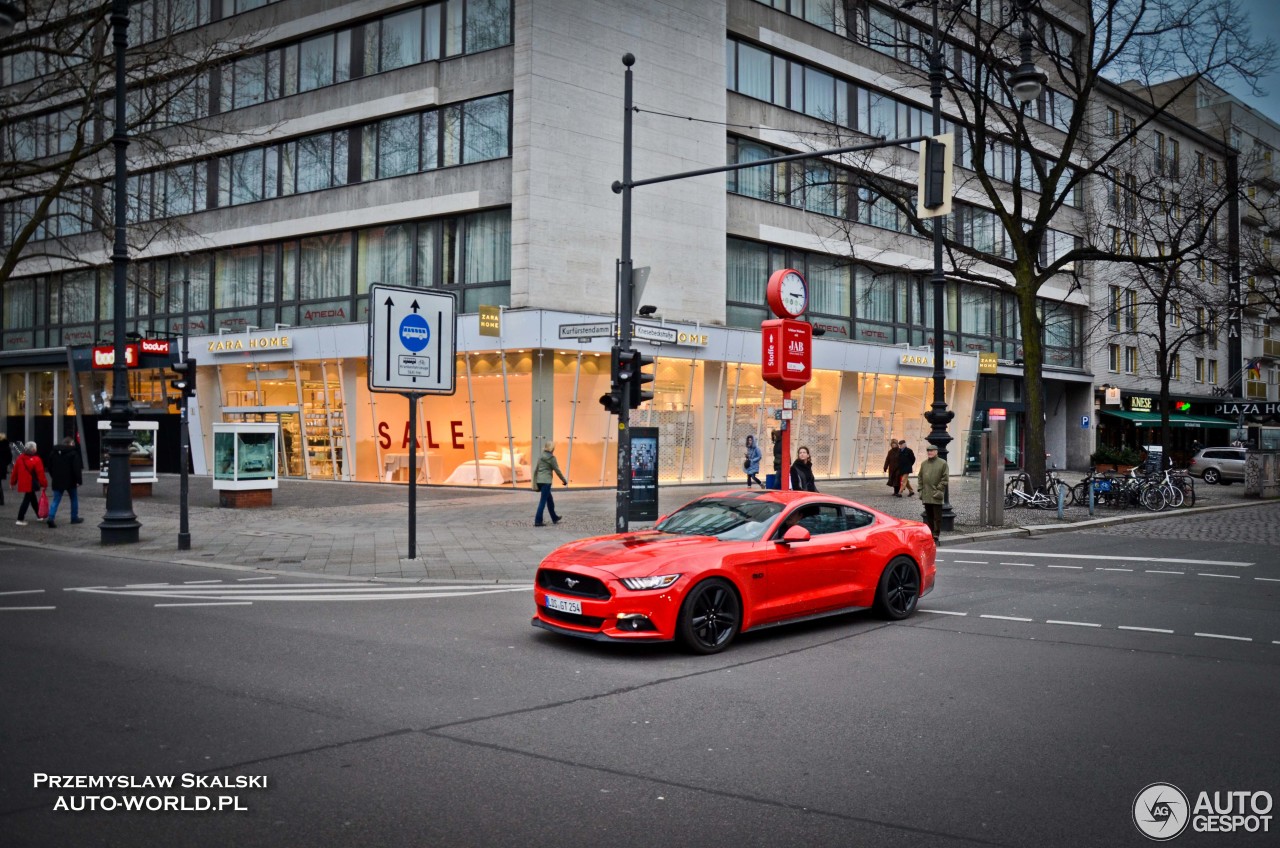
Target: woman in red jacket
column 28, row 470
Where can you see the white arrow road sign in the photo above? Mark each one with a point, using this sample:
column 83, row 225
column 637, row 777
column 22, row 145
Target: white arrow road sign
column 412, row 340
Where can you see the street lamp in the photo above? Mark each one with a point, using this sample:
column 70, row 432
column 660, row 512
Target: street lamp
column 1027, row 81
column 119, row 524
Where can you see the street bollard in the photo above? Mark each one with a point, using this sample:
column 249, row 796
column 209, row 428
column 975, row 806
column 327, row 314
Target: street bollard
column 1061, row 505
column 1091, row 499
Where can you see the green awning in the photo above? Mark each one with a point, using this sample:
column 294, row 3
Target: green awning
column 1152, row 419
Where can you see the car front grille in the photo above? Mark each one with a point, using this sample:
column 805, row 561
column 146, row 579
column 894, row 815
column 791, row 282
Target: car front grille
column 590, row 621
column 566, row 583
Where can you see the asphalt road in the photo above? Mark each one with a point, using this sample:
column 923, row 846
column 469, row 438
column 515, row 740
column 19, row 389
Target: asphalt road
column 1043, row 685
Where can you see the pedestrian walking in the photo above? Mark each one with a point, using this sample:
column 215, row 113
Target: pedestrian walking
column 802, row 472
column 906, row 464
column 751, row 464
column 547, row 465
column 891, row 466
column 933, row 478
column 66, row 474
column 28, row 477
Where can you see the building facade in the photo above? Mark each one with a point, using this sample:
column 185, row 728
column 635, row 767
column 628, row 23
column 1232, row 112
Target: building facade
column 471, row 145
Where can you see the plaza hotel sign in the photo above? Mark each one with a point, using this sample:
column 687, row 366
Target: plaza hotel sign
column 252, row 344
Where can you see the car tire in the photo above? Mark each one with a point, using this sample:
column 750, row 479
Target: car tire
column 710, row 617
column 1212, row 476
column 898, row 594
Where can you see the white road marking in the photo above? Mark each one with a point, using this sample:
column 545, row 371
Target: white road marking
column 1129, row 627
column 212, row 604
column 1268, row 579
column 297, row 592
column 1179, row 573
column 1121, row 558
column 973, row 561
column 1074, row 567
column 1023, row 564
column 247, row 579
column 1222, row 636
column 24, row 609
column 198, row 582
column 1105, row 568
column 23, row 592
column 1228, row 576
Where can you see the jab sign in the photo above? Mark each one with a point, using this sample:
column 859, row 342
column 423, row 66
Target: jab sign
column 786, row 355
column 412, row 340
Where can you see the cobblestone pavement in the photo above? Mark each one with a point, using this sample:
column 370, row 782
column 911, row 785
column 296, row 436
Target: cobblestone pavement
column 360, row 530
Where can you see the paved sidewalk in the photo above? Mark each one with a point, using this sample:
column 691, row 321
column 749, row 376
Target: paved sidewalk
column 360, row 530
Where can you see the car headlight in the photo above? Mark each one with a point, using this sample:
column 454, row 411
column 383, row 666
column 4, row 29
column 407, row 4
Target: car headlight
column 660, row 582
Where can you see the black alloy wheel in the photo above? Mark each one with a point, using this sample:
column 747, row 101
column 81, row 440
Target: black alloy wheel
column 899, row 590
column 710, row 617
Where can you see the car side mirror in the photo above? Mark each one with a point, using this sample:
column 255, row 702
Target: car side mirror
column 794, row 534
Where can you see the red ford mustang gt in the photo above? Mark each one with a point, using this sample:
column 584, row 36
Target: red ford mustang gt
column 735, row 561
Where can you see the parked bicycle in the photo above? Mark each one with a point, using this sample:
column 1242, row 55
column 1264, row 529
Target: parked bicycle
column 1038, row 499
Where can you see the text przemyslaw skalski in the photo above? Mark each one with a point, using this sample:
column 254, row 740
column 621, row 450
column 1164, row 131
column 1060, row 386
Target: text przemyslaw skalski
column 149, row 781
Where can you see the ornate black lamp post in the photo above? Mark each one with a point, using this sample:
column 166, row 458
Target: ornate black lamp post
column 119, row 524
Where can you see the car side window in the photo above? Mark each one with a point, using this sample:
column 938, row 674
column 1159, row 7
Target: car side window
column 818, row 519
column 856, row 518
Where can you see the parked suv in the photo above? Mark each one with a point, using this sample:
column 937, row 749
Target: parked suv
column 1219, row 465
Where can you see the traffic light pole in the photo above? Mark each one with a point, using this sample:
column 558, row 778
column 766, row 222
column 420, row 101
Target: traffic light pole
column 622, row 508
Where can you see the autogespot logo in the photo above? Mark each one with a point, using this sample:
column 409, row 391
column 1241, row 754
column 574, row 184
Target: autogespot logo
column 1160, row 811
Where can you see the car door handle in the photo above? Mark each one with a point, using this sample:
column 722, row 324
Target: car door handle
column 849, row 548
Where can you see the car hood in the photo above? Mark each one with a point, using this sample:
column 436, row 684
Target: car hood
column 631, row 554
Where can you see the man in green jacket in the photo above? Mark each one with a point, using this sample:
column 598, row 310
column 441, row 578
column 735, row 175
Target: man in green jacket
column 547, row 465
column 932, row 479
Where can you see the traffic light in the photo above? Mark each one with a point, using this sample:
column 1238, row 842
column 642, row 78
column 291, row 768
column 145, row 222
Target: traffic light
column 611, row 403
column 638, row 393
column 185, row 384
column 935, row 170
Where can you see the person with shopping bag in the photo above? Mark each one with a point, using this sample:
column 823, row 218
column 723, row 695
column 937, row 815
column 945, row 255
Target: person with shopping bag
column 28, row 478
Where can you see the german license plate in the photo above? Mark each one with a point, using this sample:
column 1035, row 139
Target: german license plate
column 564, row 605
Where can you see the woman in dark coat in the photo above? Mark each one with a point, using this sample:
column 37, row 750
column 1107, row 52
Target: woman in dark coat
column 906, row 464
column 802, row 472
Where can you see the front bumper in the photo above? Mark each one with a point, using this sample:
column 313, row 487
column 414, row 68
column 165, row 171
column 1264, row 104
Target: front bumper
column 597, row 635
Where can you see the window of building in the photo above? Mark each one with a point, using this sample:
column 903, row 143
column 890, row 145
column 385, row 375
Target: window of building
column 1212, row 375
column 1199, row 369
column 1130, row 360
column 1113, row 358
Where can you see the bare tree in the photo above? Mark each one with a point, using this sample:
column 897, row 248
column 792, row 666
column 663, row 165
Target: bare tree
column 57, row 115
column 1151, row 310
column 1025, row 172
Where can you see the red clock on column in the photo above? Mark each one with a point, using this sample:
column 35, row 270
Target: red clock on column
column 787, row 293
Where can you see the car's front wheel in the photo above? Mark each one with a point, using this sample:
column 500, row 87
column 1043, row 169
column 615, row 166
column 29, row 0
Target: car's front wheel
column 1211, row 476
column 899, row 590
column 710, row 617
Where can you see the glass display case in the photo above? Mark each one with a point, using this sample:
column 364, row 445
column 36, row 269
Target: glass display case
column 142, row 451
column 246, row 456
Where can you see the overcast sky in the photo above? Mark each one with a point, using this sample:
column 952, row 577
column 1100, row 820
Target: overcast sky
column 1265, row 16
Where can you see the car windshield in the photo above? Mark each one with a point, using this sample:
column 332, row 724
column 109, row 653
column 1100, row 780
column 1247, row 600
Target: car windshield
column 728, row 519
